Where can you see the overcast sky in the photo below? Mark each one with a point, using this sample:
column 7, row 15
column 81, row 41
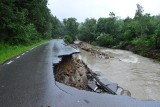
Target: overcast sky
column 82, row 9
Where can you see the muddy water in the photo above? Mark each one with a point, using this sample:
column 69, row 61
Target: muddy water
column 139, row 75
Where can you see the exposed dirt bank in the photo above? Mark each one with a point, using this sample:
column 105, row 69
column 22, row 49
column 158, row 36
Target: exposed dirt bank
column 89, row 48
column 72, row 72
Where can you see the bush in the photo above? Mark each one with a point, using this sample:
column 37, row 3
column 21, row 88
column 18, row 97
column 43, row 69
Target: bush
column 142, row 41
column 68, row 38
column 17, row 40
column 105, row 40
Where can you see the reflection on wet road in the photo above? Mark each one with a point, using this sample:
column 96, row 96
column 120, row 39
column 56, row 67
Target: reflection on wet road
column 139, row 75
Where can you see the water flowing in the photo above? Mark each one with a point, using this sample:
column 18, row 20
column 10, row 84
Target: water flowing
column 139, row 75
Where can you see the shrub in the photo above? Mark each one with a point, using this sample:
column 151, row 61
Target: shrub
column 68, row 38
column 142, row 41
column 17, row 40
column 105, row 40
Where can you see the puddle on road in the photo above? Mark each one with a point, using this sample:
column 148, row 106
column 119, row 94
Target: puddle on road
column 139, row 75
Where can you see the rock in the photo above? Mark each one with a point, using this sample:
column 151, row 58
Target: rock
column 126, row 93
column 66, row 80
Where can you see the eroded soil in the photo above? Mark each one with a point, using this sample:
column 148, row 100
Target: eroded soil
column 72, row 72
column 92, row 50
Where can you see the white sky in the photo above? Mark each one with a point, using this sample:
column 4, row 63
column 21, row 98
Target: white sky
column 82, row 9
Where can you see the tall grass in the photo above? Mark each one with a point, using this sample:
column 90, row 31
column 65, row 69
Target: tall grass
column 8, row 51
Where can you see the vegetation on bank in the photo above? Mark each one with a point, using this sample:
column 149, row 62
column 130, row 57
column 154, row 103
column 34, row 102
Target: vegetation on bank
column 25, row 24
column 140, row 34
column 8, row 51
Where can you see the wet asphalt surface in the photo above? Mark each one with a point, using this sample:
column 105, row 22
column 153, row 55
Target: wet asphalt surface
column 28, row 81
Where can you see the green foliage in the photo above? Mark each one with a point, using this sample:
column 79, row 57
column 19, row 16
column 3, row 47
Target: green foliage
column 105, row 40
column 24, row 21
column 68, row 38
column 107, row 25
column 87, row 30
column 140, row 34
column 57, row 27
column 156, row 38
column 71, row 27
column 17, row 40
column 8, row 51
column 139, row 11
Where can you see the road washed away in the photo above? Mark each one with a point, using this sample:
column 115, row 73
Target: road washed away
column 74, row 72
column 64, row 54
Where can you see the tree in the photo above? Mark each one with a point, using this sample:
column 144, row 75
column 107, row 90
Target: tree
column 105, row 40
column 24, row 20
column 157, row 37
column 141, row 21
column 87, row 30
column 57, row 27
column 107, row 25
column 139, row 11
column 71, row 27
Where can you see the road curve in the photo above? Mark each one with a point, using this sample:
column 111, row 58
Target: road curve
column 28, row 81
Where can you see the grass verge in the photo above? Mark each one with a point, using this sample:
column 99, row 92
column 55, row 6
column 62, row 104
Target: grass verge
column 8, row 51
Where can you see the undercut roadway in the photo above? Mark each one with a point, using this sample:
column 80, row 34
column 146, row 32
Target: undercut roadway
column 28, row 81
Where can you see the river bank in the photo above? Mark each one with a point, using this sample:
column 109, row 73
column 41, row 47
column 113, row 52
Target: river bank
column 139, row 75
column 74, row 72
column 140, row 50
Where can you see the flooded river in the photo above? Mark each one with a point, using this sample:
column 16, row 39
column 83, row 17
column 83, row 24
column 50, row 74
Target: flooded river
column 139, row 75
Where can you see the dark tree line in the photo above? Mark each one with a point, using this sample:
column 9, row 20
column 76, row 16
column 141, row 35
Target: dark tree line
column 142, row 31
column 26, row 21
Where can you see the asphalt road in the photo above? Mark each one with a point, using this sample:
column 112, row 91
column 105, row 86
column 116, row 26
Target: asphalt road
column 28, row 81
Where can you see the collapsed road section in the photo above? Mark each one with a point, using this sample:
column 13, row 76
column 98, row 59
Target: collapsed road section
column 74, row 72
column 29, row 82
column 66, row 96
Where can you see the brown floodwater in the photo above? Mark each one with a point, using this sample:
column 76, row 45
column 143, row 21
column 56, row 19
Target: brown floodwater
column 139, row 75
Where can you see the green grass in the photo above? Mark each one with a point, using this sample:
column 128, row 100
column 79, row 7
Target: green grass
column 7, row 51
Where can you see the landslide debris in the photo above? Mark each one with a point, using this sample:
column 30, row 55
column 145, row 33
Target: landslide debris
column 93, row 51
column 72, row 72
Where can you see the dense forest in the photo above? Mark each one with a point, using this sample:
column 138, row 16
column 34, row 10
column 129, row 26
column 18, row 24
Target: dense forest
column 26, row 22
column 140, row 34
